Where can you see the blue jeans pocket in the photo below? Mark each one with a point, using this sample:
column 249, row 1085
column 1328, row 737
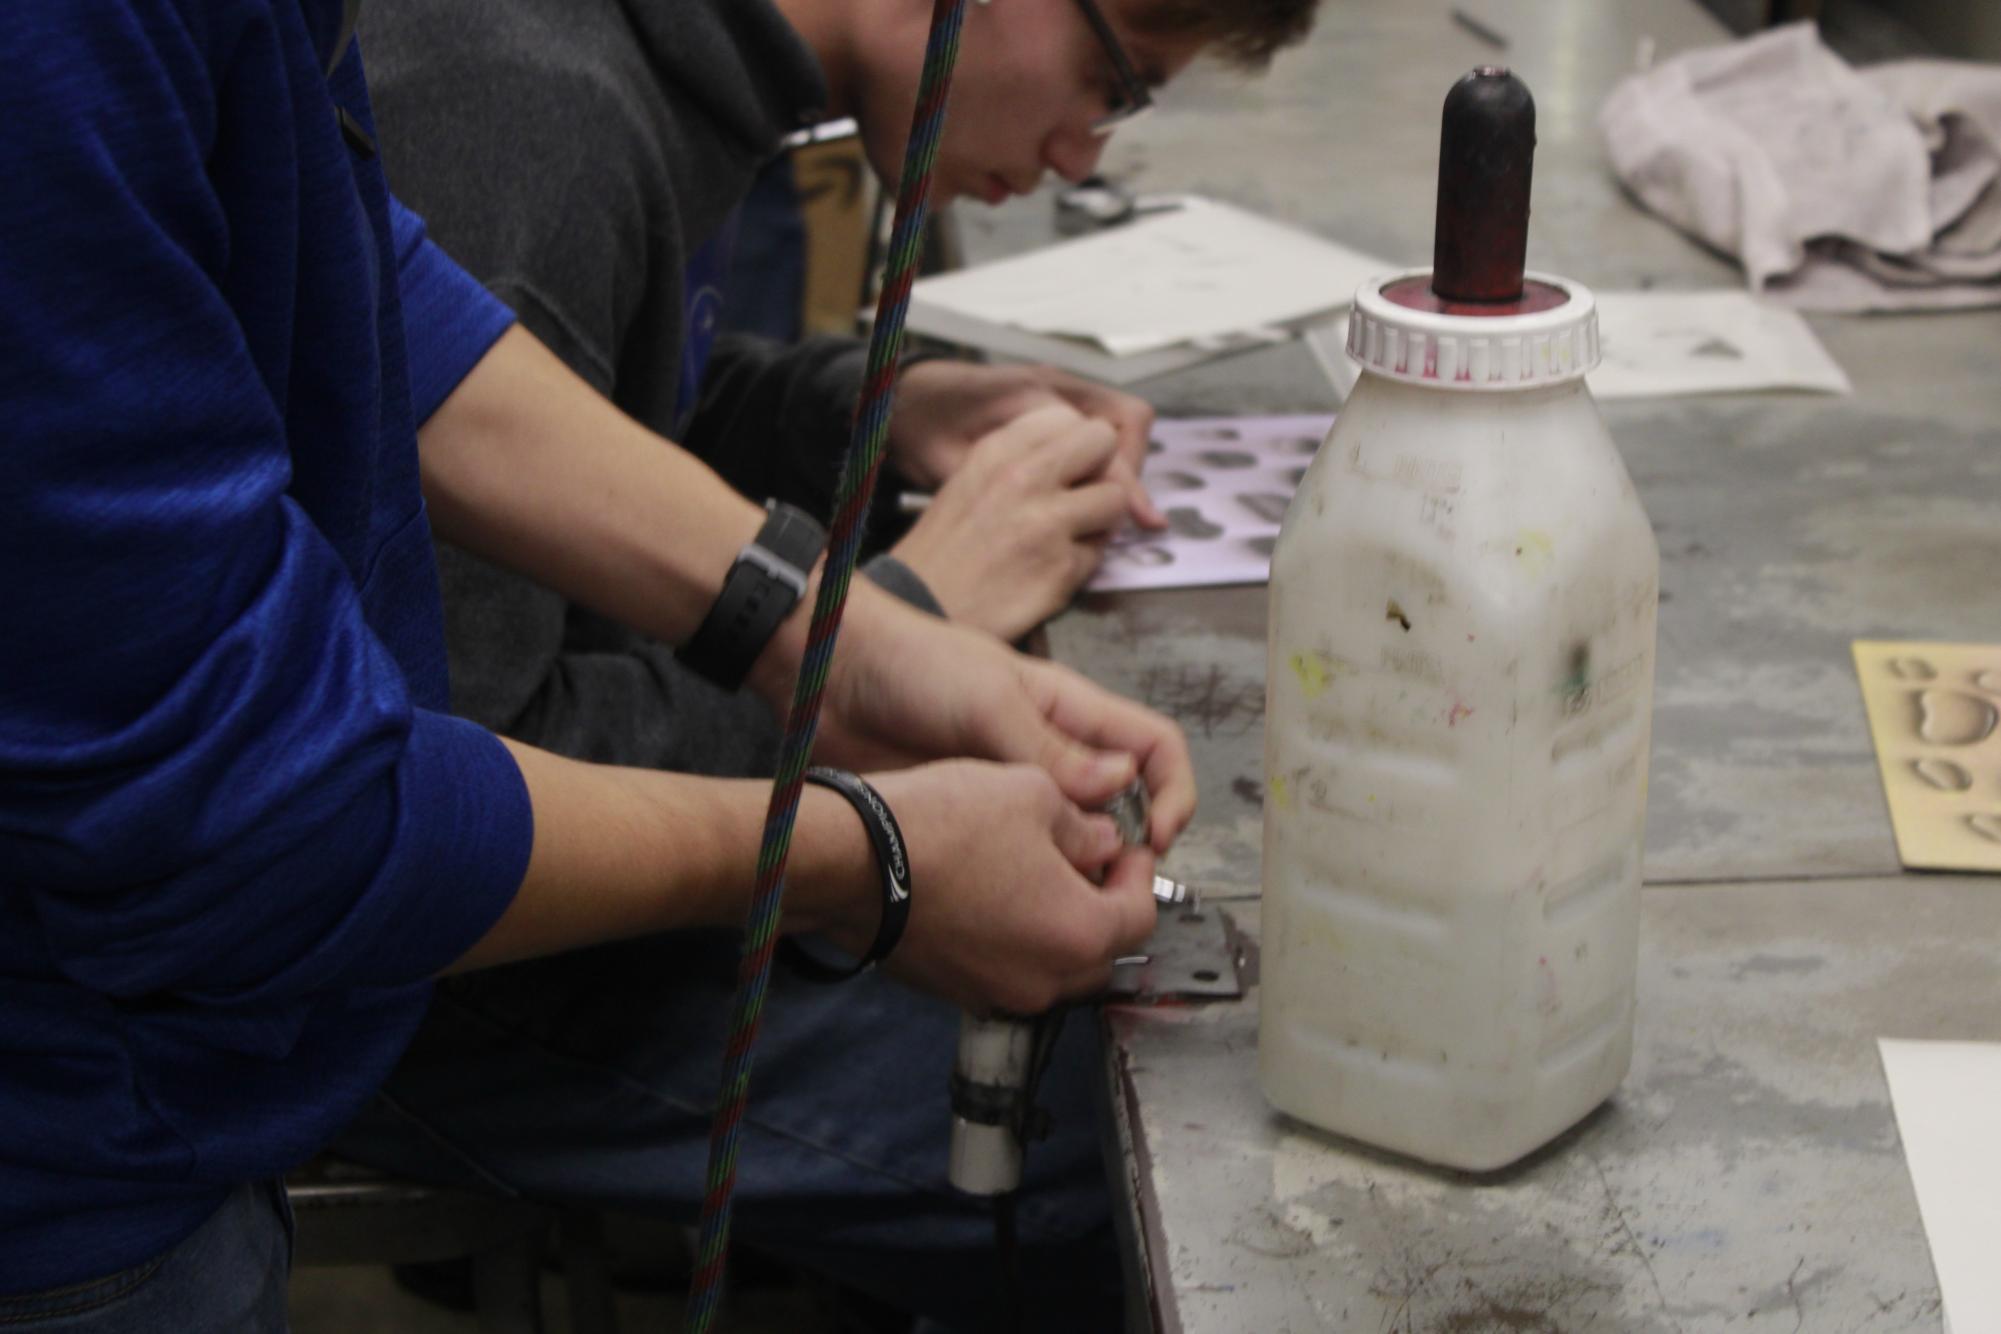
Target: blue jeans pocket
column 76, row 1299
column 281, row 1204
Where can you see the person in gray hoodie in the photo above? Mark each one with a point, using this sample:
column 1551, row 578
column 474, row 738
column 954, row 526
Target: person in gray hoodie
column 582, row 157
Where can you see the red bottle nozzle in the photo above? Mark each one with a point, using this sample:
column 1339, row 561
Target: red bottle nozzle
column 1486, row 151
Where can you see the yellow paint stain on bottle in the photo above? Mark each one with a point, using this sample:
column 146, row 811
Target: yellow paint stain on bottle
column 1535, row 551
column 1281, row 791
column 1313, row 672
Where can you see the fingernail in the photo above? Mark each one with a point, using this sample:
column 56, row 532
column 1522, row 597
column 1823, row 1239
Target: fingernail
column 1114, row 768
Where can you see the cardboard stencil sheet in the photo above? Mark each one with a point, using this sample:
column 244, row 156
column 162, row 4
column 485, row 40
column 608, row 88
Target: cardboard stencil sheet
column 1935, row 717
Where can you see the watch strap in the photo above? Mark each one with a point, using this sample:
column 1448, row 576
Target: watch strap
column 763, row 586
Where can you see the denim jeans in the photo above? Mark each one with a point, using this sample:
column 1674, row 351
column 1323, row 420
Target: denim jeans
column 589, row 1078
column 229, row 1274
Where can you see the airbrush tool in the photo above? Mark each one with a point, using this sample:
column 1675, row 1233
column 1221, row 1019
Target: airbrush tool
column 1001, row 1057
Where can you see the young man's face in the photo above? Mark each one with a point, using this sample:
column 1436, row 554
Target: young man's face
column 1032, row 80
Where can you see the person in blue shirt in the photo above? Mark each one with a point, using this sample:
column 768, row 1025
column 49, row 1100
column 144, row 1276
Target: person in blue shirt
column 240, row 833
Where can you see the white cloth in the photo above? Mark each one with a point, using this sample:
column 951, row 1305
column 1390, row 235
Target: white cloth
column 1838, row 189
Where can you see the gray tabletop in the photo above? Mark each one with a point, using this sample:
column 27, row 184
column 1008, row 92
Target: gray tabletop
column 1748, row 1173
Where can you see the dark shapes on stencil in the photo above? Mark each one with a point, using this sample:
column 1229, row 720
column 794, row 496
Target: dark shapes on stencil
column 1187, row 521
column 1261, row 546
column 1267, row 505
column 1308, row 445
column 1215, row 433
column 1295, row 476
column 1174, row 480
column 1155, row 447
column 1228, row 458
column 1140, row 554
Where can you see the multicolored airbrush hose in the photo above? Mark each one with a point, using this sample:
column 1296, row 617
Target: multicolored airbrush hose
column 851, row 503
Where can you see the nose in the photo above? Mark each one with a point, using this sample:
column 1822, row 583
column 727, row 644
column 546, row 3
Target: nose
column 1073, row 154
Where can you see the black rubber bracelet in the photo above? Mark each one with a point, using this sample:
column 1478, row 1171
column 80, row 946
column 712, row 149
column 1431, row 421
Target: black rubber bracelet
column 891, row 862
column 760, row 591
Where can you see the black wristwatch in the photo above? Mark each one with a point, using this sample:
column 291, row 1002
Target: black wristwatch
column 762, row 588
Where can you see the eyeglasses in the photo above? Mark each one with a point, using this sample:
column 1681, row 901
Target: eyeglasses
column 1134, row 100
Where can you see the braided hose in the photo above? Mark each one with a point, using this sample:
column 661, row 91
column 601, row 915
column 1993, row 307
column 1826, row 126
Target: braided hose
column 851, row 504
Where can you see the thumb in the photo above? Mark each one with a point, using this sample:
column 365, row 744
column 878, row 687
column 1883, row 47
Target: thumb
column 1089, row 777
column 1128, row 891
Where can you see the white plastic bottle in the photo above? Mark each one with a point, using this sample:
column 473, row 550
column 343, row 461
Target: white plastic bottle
column 1458, row 710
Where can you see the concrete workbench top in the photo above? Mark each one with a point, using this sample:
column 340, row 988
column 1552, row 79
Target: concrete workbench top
column 1748, row 1172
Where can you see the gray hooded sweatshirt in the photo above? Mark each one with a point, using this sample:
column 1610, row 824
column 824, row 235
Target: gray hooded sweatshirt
column 572, row 154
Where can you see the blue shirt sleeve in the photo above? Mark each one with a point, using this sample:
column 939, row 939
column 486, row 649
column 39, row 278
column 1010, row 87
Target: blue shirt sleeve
column 449, row 319
column 214, row 782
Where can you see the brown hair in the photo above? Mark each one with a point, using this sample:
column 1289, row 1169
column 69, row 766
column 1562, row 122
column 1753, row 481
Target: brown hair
column 1246, row 33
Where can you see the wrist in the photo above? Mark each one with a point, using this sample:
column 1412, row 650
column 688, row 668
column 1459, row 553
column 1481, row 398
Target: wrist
column 834, row 864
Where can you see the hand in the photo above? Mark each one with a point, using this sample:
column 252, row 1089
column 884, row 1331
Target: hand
column 943, row 408
column 904, row 688
column 1018, row 529
column 1004, row 911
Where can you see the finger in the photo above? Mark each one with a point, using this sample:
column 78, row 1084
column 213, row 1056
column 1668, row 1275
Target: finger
column 1017, row 729
column 1027, row 433
column 1096, row 719
column 1080, row 452
column 1097, row 507
column 1125, row 918
column 1133, row 418
column 1041, row 421
column 1130, row 416
column 1087, row 841
column 1136, row 430
column 1139, row 501
column 1098, row 400
column 1128, row 892
column 1086, row 556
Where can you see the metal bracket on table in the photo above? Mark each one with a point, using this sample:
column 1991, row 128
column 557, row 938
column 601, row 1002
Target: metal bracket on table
column 1188, row 957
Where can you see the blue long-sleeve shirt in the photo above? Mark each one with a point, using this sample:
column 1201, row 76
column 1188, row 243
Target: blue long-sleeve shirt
column 238, row 832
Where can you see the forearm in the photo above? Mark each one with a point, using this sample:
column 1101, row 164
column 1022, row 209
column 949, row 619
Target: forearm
column 627, row 852
column 529, row 467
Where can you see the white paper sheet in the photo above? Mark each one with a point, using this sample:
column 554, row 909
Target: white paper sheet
column 1224, row 483
column 1946, row 1095
column 1203, row 271
column 1671, row 344
column 1658, row 344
